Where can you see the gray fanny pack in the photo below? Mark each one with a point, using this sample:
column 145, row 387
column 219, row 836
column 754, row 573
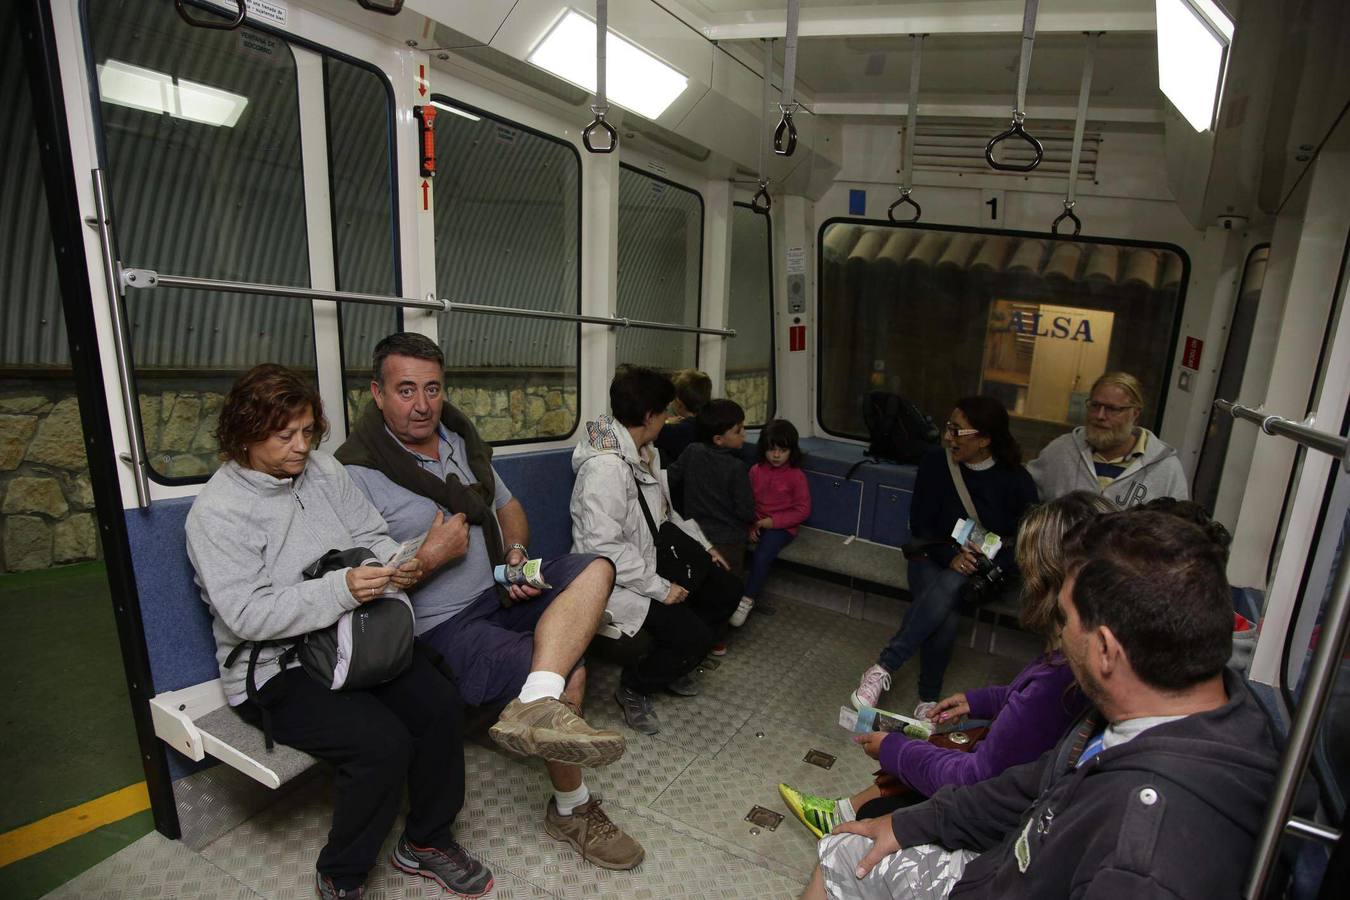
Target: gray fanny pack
column 366, row 646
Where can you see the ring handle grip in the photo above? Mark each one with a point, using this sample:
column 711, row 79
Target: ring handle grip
column 208, row 23
column 901, row 201
column 1067, row 214
column 1016, row 131
column 393, row 8
column 599, row 122
column 761, row 195
column 787, row 128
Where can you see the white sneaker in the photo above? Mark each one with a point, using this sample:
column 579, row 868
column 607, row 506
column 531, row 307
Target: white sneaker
column 874, row 681
column 742, row 612
column 923, row 709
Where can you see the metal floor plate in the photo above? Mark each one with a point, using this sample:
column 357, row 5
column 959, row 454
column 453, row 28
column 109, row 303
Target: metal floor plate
column 683, row 793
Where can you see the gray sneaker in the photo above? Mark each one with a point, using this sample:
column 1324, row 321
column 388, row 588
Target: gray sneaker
column 684, row 686
column 324, row 887
column 453, row 868
column 638, row 711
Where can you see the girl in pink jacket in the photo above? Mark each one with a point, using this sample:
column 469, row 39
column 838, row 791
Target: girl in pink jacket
column 782, row 502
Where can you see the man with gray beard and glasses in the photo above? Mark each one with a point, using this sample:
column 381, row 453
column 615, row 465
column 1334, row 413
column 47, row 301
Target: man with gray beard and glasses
column 1112, row 454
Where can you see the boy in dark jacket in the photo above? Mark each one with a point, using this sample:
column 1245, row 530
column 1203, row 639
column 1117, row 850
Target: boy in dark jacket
column 1157, row 792
column 716, row 483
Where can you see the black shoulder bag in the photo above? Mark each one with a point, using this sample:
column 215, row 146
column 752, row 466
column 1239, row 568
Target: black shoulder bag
column 679, row 558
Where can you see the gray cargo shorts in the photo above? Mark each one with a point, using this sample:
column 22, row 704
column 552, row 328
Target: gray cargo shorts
column 923, row 872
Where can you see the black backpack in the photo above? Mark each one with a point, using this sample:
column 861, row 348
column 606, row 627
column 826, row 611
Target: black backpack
column 897, row 429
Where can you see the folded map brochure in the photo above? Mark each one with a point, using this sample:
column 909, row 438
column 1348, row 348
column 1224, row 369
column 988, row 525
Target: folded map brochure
column 529, row 573
column 406, row 551
column 967, row 532
column 868, row 720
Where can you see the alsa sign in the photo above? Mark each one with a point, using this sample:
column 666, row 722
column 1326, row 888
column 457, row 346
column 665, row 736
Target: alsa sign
column 1061, row 328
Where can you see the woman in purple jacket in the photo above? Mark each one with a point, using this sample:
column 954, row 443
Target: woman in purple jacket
column 1027, row 716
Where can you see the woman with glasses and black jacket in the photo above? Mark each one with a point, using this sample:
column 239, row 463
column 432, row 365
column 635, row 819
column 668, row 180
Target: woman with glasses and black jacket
column 979, row 448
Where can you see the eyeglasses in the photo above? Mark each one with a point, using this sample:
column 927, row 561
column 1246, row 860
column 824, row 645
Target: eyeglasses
column 957, row 431
column 1094, row 407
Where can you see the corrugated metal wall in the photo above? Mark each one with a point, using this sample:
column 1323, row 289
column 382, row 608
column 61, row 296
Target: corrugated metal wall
column 660, row 268
column 32, row 326
column 507, row 234
column 751, row 289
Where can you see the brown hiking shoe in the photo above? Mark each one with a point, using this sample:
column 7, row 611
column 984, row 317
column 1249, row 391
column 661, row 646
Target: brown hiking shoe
column 546, row 728
column 593, row 835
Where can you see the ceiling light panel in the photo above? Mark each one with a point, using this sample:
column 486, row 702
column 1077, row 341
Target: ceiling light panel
column 635, row 79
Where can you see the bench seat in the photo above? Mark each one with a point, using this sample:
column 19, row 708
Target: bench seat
column 856, row 558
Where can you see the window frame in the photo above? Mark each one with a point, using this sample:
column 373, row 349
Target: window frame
column 1177, row 315
column 581, row 193
column 702, row 232
column 772, row 412
column 101, row 155
column 396, row 234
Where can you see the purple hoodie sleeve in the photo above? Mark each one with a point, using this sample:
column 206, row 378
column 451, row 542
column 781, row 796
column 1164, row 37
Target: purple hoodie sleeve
column 988, row 702
column 1032, row 720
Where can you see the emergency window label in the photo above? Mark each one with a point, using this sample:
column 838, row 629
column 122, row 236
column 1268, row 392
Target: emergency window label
column 267, row 11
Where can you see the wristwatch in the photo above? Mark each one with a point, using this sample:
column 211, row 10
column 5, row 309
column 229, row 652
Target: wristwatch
column 524, row 551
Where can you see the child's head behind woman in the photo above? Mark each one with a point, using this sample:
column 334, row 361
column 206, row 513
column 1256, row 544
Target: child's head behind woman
column 780, row 434
column 693, row 390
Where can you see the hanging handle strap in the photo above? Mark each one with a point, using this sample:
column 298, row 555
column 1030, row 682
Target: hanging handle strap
column 1017, row 129
column 762, row 201
column 785, row 135
column 601, row 107
column 195, row 22
column 907, row 148
column 1079, row 126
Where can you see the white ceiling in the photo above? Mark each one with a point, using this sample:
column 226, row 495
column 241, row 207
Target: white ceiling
column 853, row 56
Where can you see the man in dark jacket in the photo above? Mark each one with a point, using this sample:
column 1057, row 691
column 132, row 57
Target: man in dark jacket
column 1157, row 792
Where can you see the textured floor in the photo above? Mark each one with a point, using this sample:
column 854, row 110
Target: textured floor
column 66, row 733
column 684, row 793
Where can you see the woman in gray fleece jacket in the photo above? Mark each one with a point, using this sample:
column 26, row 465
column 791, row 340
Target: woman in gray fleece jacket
column 273, row 508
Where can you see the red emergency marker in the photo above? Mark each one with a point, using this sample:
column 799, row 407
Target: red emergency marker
column 426, row 121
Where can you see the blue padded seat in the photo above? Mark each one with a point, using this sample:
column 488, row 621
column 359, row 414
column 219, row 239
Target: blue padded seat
column 542, row 482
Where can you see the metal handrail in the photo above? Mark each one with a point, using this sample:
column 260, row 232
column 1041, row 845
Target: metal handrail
column 601, row 107
column 1330, row 444
column 1019, row 114
column 1321, row 674
column 787, row 106
column 121, row 340
column 148, row 279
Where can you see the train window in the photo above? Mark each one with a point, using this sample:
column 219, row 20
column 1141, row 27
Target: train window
column 660, row 268
column 935, row 314
column 508, row 233
column 200, row 136
column 750, row 313
column 360, row 171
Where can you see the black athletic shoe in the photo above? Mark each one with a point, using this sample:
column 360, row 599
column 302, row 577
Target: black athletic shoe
column 453, row 868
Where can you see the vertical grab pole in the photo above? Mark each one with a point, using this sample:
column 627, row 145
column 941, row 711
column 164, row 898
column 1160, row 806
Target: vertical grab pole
column 121, row 340
column 1321, row 676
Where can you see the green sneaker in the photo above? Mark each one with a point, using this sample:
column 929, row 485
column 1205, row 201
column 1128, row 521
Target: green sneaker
column 818, row 814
